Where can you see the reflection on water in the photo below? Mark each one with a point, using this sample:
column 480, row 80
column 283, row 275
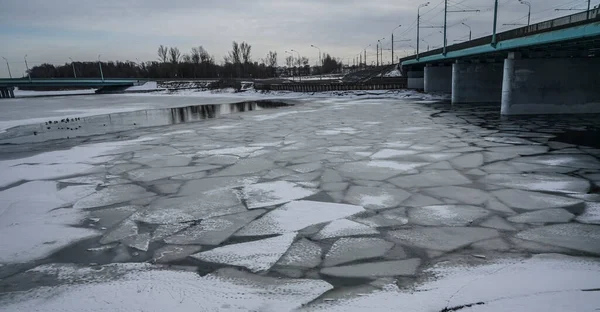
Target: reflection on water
column 101, row 124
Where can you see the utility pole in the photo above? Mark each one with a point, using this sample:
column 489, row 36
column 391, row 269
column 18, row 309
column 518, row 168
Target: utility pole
column 73, row 65
column 418, row 24
column 100, row 65
column 8, row 66
column 393, row 42
column 495, row 22
column 445, row 25
column 588, row 10
column 365, row 49
column 378, row 44
column 27, row 66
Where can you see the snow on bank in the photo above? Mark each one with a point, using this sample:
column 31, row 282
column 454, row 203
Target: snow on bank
column 35, row 216
column 148, row 86
column 142, row 287
column 548, row 282
column 28, row 93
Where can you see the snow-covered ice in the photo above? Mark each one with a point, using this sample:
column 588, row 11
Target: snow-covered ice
column 145, row 287
column 273, row 193
column 297, row 215
column 555, row 215
column 441, row 238
column 257, row 256
column 213, row 231
column 582, row 237
column 375, row 269
column 375, row 198
column 356, row 248
column 344, row 227
column 303, row 254
column 533, row 200
column 446, row 215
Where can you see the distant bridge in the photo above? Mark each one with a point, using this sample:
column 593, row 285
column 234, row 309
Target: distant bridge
column 548, row 67
column 7, row 85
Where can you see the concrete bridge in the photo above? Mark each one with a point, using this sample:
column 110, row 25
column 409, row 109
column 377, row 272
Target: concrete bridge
column 7, row 85
column 551, row 67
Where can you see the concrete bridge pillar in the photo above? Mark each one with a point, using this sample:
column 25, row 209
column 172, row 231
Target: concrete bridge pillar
column 11, row 92
column 438, row 79
column 477, row 82
column 415, row 80
column 551, row 86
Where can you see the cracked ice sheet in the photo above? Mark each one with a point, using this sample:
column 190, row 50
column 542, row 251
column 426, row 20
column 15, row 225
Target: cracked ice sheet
column 274, row 193
column 516, row 285
column 377, row 170
column 257, row 256
column 29, row 216
column 144, row 287
column 297, row 215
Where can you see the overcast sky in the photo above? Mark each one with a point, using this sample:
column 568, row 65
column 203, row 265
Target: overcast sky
column 53, row 30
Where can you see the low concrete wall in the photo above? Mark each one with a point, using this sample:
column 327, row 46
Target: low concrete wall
column 330, row 87
column 551, row 86
column 477, row 82
column 438, row 79
column 416, row 80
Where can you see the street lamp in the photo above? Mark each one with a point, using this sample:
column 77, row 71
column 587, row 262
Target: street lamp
column 365, row 49
column 427, row 44
column 528, row 14
column 299, row 75
column 393, row 42
column 418, row 24
column 495, row 23
column 378, row 43
column 320, row 62
column 73, row 65
column 27, row 66
column 292, row 55
column 8, row 66
column 100, row 65
column 470, row 31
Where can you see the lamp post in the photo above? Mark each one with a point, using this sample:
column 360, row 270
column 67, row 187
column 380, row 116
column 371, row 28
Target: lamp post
column 8, row 66
column 378, row 43
column 529, row 13
column 470, row 31
column 27, row 66
column 365, row 49
column 100, row 65
column 393, row 42
column 299, row 72
column 320, row 61
column 292, row 55
column 73, row 65
column 419, row 23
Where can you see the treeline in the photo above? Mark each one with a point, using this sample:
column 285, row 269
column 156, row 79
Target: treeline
column 198, row 63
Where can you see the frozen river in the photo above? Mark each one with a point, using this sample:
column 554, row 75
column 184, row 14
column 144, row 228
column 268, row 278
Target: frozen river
column 380, row 202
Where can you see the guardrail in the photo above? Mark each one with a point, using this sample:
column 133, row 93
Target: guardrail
column 546, row 26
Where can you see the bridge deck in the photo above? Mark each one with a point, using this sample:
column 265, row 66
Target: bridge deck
column 69, row 82
column 573, row 28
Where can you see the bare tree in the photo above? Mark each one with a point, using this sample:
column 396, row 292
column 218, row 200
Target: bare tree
column 163, row 53
column 234, row 56
column 174, row 55
column 186, row 58
column 289, row 61
column 245, row 50
column 271, row 59
column 304, row 60
column 195, row 55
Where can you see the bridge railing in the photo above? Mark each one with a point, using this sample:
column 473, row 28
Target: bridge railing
column 546, row 26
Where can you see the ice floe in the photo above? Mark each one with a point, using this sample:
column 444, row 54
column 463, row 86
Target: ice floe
column 297, row 215
column 257, row 256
